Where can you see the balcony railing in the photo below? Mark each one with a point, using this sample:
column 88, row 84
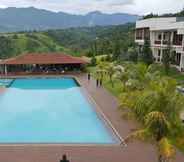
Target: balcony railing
column 177, row 43
column 139, row 38
column 158, row 42
column 165, row 42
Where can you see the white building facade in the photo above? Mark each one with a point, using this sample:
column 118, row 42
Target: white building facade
column 162, row 33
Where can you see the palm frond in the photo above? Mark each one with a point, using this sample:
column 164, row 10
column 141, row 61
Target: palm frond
column 142, row 135
column 166, row 150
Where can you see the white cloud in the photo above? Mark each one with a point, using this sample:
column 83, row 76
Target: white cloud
column 109, row 6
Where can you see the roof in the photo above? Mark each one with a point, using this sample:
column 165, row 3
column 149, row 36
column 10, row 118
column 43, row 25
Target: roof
column 43, row 58
column 162, row 23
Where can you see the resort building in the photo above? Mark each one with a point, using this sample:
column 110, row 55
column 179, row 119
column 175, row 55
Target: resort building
column 41, row 63
column 163, row 33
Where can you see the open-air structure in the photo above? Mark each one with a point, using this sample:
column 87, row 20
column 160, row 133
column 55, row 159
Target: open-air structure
column 41, row 63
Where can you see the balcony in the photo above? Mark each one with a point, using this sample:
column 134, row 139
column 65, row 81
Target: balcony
column 158, row 42
column 139, row 38
column 178, row 43
column 165, row 42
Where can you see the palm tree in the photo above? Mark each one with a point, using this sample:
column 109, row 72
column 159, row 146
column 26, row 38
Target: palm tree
column 111, row 70
column 157, row 107
column 157, row 123
column 156, row 129
column 122, row 75
column 102, row 69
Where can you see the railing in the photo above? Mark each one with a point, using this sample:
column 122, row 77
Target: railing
column 165, row 42
column 177, row 43
column 139, row 38
column 158, row 42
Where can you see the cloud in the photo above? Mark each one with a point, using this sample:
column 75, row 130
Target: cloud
column 109, row 6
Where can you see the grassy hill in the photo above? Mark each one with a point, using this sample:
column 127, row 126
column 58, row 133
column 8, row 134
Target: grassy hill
column 13, row 44
column 75, row 41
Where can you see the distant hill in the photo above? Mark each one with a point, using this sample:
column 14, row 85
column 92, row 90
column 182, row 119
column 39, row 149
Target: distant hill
column 21, row 19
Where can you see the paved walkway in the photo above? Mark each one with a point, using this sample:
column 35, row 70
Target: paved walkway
column 134, row 152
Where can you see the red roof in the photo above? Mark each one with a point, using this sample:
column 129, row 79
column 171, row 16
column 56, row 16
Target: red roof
column 43, row 58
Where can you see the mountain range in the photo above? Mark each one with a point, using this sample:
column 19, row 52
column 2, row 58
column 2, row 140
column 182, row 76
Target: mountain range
column 20, row 19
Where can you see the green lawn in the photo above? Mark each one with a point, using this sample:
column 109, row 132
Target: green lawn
column 116, row 90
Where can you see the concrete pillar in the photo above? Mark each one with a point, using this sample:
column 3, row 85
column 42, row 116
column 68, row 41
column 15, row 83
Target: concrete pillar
column 172, row 36
column 183, row 42
column 152, row 38
column 162, row 38
column 143, row 34
column 5, row 70
column 182, row 62
column 161, row 54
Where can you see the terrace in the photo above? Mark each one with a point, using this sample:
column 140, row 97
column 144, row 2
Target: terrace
column 90, row 153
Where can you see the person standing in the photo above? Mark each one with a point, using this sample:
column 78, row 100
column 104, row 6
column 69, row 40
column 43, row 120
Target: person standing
column 97, row 82
column 89, row 76
column 101, row 82
column 64, row 159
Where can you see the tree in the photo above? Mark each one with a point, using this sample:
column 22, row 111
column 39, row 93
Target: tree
column 146, row 55
column 102, row 69
column 157, row 107
column 93, row 61
column 167, row 57
column 151, row 15
column 33, row 45
column 116, row 50
column 133, row 54
column 6, row 47
column 157, row 128
column 111, row 71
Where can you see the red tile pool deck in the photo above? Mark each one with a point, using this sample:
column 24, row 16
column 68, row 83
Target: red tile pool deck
column 134, row 152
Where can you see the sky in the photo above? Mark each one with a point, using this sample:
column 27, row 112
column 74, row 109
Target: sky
column 139, row 7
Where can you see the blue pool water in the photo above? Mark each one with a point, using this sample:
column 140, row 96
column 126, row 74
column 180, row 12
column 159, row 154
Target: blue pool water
column 50, row 111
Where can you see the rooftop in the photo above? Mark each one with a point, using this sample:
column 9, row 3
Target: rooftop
column 43, row 58
column 162, row 23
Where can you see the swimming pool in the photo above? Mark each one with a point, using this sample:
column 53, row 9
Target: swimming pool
column 50, row 110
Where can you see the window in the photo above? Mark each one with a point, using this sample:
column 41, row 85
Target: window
column 164, row 36
column 139, row 34
column 178, row 58
column 159, row 53
column 177, row 40
column 159, row 36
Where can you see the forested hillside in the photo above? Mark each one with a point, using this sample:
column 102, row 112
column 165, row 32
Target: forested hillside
column 76, row 41
column 83, row 40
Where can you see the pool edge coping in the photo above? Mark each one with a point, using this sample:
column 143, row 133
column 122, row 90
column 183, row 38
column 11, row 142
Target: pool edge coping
column 105, row 119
